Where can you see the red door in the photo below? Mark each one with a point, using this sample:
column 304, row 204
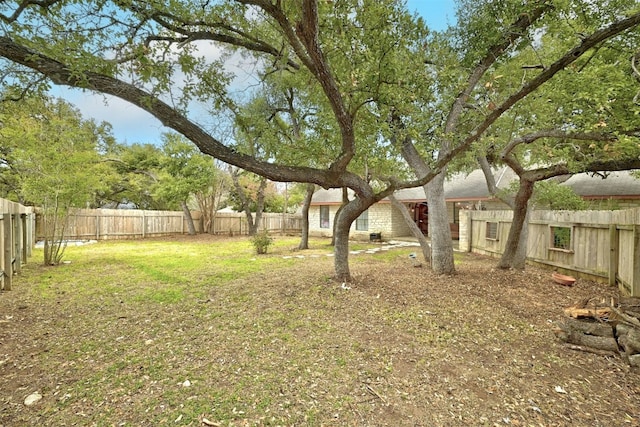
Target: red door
column 421, row 217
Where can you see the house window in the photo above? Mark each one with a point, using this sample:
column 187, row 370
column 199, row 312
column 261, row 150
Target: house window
column 324, row 216
column 491, row 232
column 560, row 238
column 362, row 222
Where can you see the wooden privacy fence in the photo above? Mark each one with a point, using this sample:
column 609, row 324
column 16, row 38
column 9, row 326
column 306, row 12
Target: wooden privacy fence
column 601, row 245
column 107, row 224
column 16, row 239
column 236, row 223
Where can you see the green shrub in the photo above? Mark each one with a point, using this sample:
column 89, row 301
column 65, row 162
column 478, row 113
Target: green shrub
column 261, row 241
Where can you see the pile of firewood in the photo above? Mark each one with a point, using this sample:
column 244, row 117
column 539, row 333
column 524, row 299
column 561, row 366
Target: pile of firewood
column 603, row 326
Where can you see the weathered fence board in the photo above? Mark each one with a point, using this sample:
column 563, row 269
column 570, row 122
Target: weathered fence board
column 16, row 239
column 604, row 245
column 104, row 224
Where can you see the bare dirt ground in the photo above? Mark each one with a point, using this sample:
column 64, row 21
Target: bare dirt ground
column 399, row 346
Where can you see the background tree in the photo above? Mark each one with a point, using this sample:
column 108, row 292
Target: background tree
column 212, row 197
column 55, row 161
column 250, row 196
column 185, row 172
column 485, row 102
column 304, row 237
column 347, row 52
column 134, row 174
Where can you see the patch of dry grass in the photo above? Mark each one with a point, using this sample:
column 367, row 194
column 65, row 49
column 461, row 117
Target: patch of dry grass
column 171, row 332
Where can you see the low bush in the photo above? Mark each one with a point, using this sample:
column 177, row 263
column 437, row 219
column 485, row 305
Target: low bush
column 261, row 241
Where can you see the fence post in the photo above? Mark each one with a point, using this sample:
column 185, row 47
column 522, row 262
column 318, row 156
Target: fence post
column 17, row 243
column 464, row 238
column 635, row 279
column 8, row 245
column 613, row 254
column 2, row 258
column 97, row 226
column 25, row 238
column 29, row 230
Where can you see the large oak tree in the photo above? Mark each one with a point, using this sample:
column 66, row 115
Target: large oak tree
column 358, row 58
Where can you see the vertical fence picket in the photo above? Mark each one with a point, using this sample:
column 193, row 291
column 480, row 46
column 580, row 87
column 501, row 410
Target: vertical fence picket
column 8, row 248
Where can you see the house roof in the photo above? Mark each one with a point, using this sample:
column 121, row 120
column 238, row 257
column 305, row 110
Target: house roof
column 462, row 186
column 459, row 187
column 620, row 185
column 473, row 187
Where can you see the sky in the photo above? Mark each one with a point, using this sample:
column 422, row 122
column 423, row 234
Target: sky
column 133, row 125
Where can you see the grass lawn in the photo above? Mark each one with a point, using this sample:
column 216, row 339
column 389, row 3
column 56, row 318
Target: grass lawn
column 201, row 331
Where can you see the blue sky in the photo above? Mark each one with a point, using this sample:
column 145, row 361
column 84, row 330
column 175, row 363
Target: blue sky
column 133, row 125
column 437, row 13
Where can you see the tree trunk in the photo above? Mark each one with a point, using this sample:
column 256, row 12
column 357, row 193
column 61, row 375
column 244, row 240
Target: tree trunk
column 187, row 214
column 341, row 249
column 515, row 241
column 259, row 207
column 253, row 223
column 520, row 257
column 304, row 240
column 415, row 230
column 344, row 219
column 439, row 231
column 345, row 200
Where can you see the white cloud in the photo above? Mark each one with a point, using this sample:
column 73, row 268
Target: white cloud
column 130, row 123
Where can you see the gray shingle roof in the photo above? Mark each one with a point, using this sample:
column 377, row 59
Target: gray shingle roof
column 471, row 186
column 616, row 184
column 474, row 187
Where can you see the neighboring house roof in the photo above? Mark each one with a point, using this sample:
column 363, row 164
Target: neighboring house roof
column 228, row 209
column 473, row 187
column 619, row 185
column 458, row 187
column 463, row 187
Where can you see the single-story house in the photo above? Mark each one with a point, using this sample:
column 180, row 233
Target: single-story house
column 462, row 191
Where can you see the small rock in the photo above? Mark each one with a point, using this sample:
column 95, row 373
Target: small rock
column 186, row 383
column 32, row 398
column 560, row 390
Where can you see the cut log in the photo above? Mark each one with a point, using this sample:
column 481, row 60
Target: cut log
column 630, row 342
column 578, row 338
column 604, row 326
column 582, row 313
column 589, row 327
column 619, row 316
column 600, row 343
column 591, row 350
column 622, row 329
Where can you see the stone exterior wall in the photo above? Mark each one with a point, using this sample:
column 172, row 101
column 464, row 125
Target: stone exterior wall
column 398, row 224
column 464, row 242
column 383, row 218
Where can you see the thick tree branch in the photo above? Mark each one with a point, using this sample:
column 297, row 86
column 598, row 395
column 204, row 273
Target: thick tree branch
column 25, row 4
column 60, row 74
column 556, row 133
column 567, row 59
column 303, row 38
column 513, row 33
